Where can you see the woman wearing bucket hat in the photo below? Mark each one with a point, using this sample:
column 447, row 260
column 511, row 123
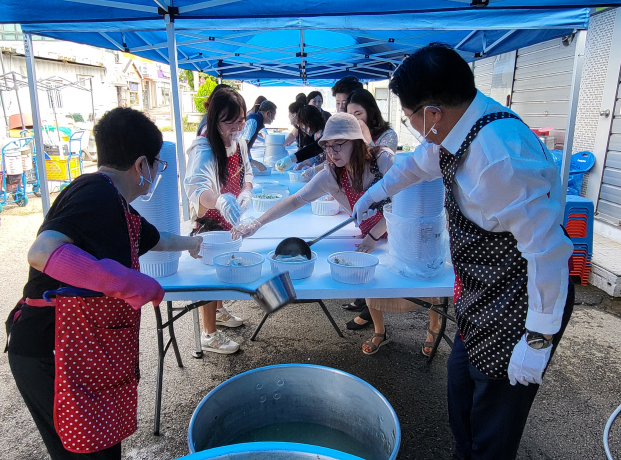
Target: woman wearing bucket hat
column 353, row 169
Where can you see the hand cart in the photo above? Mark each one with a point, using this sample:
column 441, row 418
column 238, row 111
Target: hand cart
column 17, row 163
column 63, row 168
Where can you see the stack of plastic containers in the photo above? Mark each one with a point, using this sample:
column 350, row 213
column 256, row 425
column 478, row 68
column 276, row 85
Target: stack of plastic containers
column 579, row 225
column 163, row 212
column 417, row 230
column 274, row 149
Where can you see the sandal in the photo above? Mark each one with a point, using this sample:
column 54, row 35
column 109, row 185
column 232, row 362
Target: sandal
column 429, row 344
column 356, row 305
column 374, row 348
column 365, row 315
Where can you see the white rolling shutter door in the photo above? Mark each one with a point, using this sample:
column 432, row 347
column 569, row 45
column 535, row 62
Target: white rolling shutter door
column 542, row 85
column 609, row 206
column 483, row 74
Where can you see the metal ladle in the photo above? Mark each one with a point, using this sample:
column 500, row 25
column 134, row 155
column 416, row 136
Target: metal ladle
column 294, row 246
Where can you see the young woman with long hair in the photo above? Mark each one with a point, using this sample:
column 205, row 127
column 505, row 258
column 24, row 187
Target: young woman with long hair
column 218, row 184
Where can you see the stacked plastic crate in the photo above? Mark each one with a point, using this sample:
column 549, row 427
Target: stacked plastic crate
column 579, row 225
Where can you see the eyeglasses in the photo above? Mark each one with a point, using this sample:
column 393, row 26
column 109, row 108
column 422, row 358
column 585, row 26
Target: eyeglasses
column 334, row 147
column 161, row 165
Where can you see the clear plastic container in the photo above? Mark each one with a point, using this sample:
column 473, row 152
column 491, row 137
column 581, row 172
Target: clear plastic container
column 323, row 207
column 297, row 270
column 296, row 176
column 263, row 204
column 278, row 188
column 242, row 274
column 257, row 172
column 362, row 271
column 216, row 243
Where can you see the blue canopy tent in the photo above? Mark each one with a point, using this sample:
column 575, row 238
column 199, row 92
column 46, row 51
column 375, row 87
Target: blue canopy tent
column 297, row 41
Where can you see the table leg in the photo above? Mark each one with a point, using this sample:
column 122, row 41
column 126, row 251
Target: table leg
column 256, row 331
column 327, row 313
column 436, row 343
column 160, row 371
column 171, row 333
column 198, row 349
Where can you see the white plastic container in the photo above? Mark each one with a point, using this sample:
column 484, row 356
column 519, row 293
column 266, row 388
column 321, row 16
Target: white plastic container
column 296, row 176
column 278, row 188
column 361, row 272
column 216, row 243
column 323, row 207
column 297, row 270
column 160, row 269
column 239, row 274
column 274, row 149
column 13, row 162
column 257, row 172
column 263, row 204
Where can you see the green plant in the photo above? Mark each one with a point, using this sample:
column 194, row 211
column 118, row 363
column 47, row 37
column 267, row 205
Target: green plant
column 203, row 93
column 189, row 127
column 165, row 128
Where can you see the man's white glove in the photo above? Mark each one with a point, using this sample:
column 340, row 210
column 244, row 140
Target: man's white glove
column 229, row 208
column 361, row 208
column 527, row 364
column 244, row 199
column 284, row 163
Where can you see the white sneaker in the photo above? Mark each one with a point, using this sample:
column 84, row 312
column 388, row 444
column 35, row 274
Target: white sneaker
column 218, row 343
column 224, row 318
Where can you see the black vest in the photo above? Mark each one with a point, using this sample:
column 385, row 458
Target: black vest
column 258, row 117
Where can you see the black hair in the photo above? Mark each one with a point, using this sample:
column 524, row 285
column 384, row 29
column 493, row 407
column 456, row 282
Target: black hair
column 123, row 135
column 215, row 90
column 227, row 105
column 301, row 97
column 295, row 107
column 267, row 106
column 311, row 117
column 375, row 121
column 434, row 75
column 257, row 104
column 312, row 95
column 346, row 85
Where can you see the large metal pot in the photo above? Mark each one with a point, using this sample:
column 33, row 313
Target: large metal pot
column 296, row 393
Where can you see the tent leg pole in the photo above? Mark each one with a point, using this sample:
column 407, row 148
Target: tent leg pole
column 36, row 122
column 573, row 110
column 176, row 101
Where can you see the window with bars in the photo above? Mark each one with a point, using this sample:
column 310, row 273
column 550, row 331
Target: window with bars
column 54, row 99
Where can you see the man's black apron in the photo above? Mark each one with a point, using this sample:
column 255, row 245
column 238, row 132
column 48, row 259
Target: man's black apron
column 491, row 298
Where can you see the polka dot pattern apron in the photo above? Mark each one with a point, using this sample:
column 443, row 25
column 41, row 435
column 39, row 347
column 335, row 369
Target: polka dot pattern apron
column 234, row 185
column 96, row 358
column 491, row 298
column 352, row 197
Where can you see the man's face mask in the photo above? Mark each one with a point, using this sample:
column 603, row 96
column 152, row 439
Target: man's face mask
column 422, row 138
column 153, row 182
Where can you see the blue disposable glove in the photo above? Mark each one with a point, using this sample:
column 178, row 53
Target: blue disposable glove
column 284, row 163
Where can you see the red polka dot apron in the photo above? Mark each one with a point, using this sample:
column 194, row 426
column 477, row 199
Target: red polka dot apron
column 96, row 357
column 234, row 185
column 491, row 297
column 352, row 197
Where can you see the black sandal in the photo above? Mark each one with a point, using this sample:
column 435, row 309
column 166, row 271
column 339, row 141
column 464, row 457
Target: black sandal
column 356, row 305
column 365, row 315
column 375, row 348
column 429, row 344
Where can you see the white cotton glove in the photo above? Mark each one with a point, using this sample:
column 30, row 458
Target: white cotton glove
column 361, row 208
column 245, row 199
column 229, row 208
column 284, row 163
column 527, row 364
column 246, row 229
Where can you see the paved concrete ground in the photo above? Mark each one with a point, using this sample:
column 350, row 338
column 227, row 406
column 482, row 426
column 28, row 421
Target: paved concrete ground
column 581, row 389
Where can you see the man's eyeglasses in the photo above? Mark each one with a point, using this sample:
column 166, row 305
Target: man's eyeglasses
column 334, row 147
column 161, row 165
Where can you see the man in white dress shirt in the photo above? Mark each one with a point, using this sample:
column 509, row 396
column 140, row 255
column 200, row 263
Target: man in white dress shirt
column 513, row 297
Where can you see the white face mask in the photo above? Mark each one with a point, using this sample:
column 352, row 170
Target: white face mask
column 420, row 137
column 153, row 184
column 236, row 136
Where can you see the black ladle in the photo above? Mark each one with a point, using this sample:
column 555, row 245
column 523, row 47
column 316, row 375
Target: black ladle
column 294, row 246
